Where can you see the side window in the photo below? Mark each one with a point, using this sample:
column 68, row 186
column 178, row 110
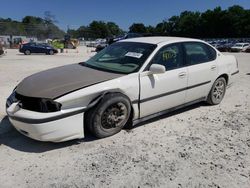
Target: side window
column 213, row 53
column 169, row 56
column 197, row 53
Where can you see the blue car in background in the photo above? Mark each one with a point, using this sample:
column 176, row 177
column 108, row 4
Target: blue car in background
column 32, row 47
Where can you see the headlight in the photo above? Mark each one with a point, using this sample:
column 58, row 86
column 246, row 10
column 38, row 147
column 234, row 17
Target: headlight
column 36, row 104
column 48, row 105
column 11, row 99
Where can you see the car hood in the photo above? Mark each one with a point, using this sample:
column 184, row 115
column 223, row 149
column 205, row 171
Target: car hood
column 56, row 82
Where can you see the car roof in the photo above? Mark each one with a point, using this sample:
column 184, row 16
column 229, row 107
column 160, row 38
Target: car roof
column 157, row 40
column 242, row 43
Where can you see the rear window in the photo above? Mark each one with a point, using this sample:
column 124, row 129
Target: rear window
column 197, row 53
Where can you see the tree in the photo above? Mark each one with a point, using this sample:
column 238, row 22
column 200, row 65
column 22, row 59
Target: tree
column 49, row 18
column 137, row 28
column 99, row 29
column 113, row 29
column 150, row 29
column 189, row 24
column 96, row 29
column 42, row 28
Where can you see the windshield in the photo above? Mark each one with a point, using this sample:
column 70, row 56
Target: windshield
column 121, row 57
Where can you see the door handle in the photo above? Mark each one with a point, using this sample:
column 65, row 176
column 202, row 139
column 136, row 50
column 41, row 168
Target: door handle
column 182, row 74
column 213, row 67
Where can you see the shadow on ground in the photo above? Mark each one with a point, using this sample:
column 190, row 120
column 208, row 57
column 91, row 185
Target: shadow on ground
column 169, row 114
column 13, row 139
column 10, row 137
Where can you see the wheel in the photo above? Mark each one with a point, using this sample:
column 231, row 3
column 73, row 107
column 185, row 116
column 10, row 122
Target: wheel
column 109, row 116
column 217, row 92
column 51, row 52
column 27, row 52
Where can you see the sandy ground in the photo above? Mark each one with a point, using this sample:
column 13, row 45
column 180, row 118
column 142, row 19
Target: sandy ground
column 199, row 146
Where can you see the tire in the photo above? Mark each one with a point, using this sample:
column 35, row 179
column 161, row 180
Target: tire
column 217, row 92
column 109, row 116
column 27, row 52
column 51, row 52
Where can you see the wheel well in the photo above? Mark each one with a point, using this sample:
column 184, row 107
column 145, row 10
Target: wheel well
column 102, row 95
column 224, row 76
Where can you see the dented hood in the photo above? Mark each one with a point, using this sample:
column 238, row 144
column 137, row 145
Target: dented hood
column 56, row 82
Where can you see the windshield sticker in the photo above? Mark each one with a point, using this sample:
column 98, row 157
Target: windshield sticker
column 134, row 54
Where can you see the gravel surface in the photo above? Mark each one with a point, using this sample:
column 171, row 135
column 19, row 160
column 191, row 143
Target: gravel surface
column 199, row 146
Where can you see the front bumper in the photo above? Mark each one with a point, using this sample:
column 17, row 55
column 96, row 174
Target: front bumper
column 55, row 126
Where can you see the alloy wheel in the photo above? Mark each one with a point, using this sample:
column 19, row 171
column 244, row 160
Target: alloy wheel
column 218, row 91
column 114, row 116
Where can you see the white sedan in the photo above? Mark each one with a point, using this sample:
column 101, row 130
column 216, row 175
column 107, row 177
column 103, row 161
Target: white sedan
column 126, row 83
column 240, row 47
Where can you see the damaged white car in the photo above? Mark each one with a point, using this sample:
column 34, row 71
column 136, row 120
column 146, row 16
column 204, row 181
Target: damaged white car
column 128, row 82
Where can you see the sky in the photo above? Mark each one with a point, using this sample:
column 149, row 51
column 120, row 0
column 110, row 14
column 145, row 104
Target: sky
column 74, row 13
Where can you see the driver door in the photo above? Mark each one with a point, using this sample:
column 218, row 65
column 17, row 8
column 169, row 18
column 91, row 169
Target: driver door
column 163, row 91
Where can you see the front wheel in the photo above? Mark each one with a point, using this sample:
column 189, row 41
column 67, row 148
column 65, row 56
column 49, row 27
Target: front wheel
column 51, row 52
column 109, row 116
column 217, row 92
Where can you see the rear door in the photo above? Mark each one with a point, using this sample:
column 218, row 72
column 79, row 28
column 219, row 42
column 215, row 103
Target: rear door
column 163, row 91
column 202, row 69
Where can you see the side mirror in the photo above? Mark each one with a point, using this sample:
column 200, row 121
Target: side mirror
column 157, row 69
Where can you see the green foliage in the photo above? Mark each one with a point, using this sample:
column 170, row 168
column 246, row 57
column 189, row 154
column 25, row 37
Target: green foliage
column 113, row 29
column 57, row 44
column 31, row 26
column 217, row 23
column 137, row 28
column 96, row 29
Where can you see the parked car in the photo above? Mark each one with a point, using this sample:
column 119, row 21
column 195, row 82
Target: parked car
column 1, row 50
column 128, row 82
column 32, row 47
column 248, row 49
column 240, row 47
column 101, row 47
column 125, row 36
column 96, row 42
column 225, row 47
column 111, row 40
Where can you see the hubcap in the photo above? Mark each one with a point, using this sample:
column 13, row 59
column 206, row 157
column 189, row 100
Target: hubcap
column 114, row 116
column 218, row 91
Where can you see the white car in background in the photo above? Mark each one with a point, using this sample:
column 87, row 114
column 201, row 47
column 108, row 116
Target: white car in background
column 240, row 47
column 128, row 82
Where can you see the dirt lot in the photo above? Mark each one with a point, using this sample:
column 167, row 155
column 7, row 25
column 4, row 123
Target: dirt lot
column 199, row 146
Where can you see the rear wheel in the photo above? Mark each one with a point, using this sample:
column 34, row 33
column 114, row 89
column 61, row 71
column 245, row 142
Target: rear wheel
column 27, row 52
column 217, row 92
column 109, row 116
